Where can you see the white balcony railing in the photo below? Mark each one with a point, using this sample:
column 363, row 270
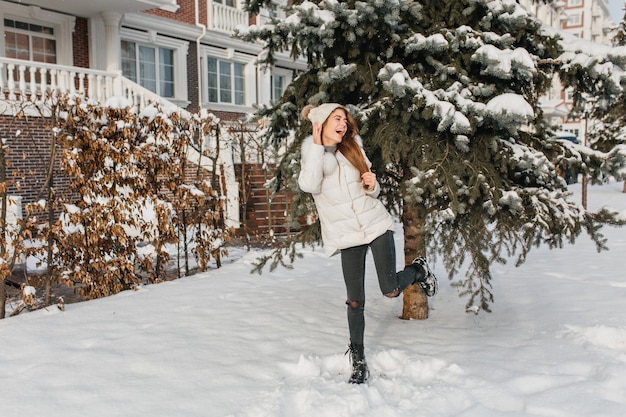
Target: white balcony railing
column 224, row 18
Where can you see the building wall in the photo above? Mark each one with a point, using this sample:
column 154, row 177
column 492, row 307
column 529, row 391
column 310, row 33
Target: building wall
column 193, row 88
column 590, row 20
column 186, row 11
column 586, row 19
column 80, row 43
column 28, row 157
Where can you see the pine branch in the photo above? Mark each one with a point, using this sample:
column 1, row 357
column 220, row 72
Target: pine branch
column 286, row 253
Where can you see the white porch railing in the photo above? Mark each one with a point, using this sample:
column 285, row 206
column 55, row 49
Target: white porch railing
column 20, row 79
column 30, row 80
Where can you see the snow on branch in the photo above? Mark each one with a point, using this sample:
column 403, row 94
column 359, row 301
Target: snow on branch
column 504, row 63
column 512, row 107
column 433, row 43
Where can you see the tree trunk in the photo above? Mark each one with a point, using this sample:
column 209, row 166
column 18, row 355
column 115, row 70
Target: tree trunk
column 3, row 297
column 51, row 219
column 624, row 190
column 185, row 243
column 3, row 217
column 415, row 302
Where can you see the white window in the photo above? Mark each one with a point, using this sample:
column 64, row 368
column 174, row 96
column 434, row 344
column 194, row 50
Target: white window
column 225, row 81
column 277, row 87
column 151, row 67
column 573, row 3
column 573, row 19
column 230, row 3
column 274, row 82
column 29, row 41
column 156, row 62
column 33, row 34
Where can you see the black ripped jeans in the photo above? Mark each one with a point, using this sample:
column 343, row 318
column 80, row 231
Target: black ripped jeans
column 391, row 283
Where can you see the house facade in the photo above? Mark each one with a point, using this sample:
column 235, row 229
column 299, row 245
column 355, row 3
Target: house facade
column 584, row 19
column 177, row 52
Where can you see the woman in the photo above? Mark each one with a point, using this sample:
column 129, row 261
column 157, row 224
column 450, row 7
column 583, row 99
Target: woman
column 336, row 171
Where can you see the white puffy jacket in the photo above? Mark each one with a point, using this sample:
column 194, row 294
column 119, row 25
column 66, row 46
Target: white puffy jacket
column 349, row 214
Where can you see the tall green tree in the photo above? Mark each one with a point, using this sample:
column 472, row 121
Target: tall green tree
column 446, row 95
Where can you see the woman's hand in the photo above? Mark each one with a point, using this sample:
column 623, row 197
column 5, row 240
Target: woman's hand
column 317, row 133
column 369, row 180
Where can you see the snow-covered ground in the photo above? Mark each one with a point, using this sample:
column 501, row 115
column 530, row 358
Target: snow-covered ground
column 227, row 343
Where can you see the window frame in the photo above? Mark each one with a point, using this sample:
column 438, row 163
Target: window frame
column 151, row 38
column 273, row 90
column 32, row 35
column 225, row 3
column 287, row 76
column 229, row 75
column 158, row 64
column 231, row 57
column 574, row 20
column 63, row 26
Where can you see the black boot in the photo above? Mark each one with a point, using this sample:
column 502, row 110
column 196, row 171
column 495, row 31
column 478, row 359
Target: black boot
column 359, row 366
column 425, row 278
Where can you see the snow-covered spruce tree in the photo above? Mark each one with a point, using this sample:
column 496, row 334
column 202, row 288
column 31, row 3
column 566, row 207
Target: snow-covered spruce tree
column 597, row 75
column 446, row 97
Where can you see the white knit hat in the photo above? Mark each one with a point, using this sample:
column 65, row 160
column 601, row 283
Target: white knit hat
column 320, row 113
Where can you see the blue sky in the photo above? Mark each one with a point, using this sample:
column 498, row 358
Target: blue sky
column 616, row 10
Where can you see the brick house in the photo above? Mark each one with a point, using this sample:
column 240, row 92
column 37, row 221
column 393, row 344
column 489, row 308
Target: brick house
column 584, row 19
column 177, row 52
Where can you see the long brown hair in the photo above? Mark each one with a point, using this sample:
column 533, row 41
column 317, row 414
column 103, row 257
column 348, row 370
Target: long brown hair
column 350, row 148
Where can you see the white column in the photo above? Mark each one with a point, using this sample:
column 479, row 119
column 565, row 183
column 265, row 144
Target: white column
column 112, row 33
